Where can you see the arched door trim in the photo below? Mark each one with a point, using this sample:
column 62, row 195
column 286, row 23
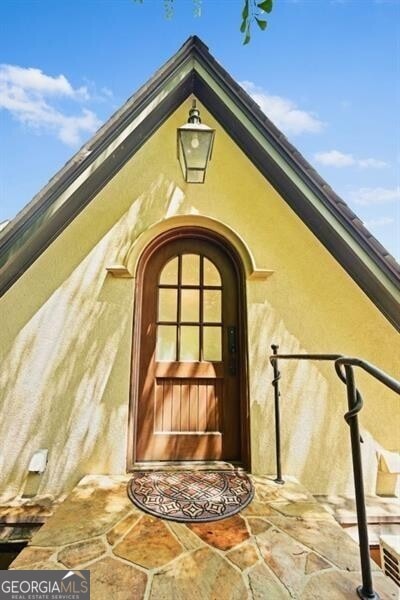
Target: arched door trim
column 231, row 237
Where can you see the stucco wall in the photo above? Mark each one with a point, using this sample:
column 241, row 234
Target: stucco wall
column 67, row 330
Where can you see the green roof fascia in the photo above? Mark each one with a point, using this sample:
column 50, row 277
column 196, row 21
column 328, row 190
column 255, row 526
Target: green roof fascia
column 93, row 158
column 85, row 163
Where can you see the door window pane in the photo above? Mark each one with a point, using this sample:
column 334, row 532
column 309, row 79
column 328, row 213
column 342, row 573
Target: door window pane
column 189, row 349
column 211, row 273
column 166, row 343
column 167, row 305
column 212, row 344
column 190, row 269
column 190, row 305
column 197, row 306
column 169, row 274
column 212, row 306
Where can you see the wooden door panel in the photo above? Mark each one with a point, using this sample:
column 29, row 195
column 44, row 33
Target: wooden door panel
column 185, row 447
column 188, row 398
column 187, row 406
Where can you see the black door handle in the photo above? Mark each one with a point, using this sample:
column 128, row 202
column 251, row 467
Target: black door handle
column 232, row 349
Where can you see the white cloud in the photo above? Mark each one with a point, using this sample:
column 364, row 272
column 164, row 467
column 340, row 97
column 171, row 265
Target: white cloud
column 371, row 163
column 283, row 112
column 379, row 195
column 29, row 94
column 35, row 80
column 334, row 158
column 380, row 222
column 70, row 128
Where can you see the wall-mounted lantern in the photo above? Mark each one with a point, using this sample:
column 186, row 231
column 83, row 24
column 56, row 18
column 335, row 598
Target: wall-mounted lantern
column 195, row 143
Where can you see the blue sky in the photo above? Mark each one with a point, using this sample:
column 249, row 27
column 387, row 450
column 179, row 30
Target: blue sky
column 326, row 71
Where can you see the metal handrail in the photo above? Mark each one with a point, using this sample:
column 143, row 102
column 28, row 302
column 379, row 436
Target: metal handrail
column 378, row 374
column 355, row 404
column 275, row 382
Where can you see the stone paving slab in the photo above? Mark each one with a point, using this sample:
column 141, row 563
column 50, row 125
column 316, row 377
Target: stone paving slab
column 92, row 508
column 380, row 509
column 283, row 545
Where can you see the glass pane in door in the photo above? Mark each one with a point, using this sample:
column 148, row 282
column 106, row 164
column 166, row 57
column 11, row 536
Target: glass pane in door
column 167, row 305
column 189, row 343
column 212, row 306
column 211, row 274
column 169, row 274
column 190, row 269
column 190, row 305
column 166, row 343
column 212, row 347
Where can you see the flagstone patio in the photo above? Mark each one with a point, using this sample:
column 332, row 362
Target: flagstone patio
column 283, row 545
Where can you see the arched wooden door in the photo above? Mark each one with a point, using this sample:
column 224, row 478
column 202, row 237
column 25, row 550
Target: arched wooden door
column 189, row 379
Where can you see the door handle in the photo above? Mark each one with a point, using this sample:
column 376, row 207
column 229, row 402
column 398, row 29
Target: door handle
column 232, row 349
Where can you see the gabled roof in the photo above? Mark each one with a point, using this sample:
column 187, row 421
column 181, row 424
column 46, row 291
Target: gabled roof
column 193, row 70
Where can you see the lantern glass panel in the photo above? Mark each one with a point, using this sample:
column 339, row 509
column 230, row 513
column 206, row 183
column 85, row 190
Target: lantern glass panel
column 195, row 175
column 196, row 147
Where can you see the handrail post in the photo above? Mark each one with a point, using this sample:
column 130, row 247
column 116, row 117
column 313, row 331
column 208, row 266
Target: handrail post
column 365, row 591
column 275, row 383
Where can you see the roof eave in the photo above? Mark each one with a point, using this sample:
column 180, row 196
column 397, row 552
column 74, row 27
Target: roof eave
column 45, row 216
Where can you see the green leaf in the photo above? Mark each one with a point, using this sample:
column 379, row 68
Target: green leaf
column 247, row 36
column 266, row 5
column 262, row 24
column 245, row 11
column 243, row 26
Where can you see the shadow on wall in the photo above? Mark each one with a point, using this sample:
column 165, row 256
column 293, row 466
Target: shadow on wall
column 315, row 438
column 65, row 374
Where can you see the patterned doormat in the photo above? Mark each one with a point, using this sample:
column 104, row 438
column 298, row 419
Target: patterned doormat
column 191, row 496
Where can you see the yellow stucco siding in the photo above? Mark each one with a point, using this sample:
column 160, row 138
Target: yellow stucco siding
column 67, row 329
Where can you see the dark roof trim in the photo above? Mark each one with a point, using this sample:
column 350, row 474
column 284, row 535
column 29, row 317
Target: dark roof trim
column 36, row 226
column 296, row 160
column 87, row 156
column 326, row 234
column 47, row 229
